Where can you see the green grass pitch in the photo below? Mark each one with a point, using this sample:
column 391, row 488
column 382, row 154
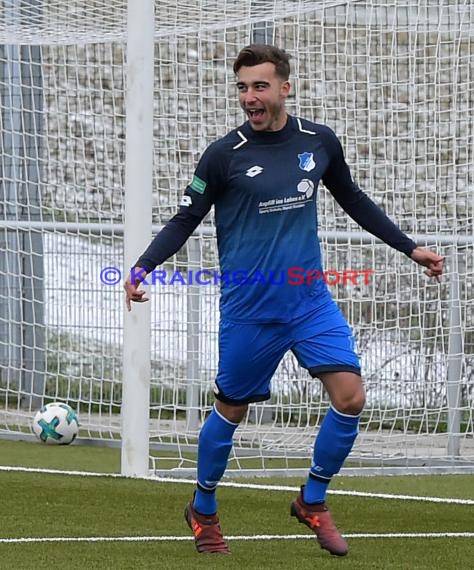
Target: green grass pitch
column 42, row 505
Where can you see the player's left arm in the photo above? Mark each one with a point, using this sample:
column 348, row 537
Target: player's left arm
column 369, row 215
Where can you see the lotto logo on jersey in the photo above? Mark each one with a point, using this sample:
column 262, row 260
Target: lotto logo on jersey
column 254, row 171
column 186, row 201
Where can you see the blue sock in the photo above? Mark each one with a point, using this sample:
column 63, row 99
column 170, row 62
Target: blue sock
column 333, row 444
column 215, row 444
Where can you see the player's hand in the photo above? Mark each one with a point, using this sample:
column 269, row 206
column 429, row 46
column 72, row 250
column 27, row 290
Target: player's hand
column 429, row 259
column 132, row 292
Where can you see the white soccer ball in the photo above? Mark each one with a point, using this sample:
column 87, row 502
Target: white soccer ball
column 56, row 423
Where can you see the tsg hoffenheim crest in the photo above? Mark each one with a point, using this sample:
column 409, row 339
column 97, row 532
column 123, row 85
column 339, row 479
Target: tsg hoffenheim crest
column 306, row 161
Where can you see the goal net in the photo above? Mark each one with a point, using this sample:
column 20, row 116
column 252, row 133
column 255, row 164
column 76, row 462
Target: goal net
column 394, row 80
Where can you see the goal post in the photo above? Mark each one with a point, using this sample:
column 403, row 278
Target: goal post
column 106, row 107
column 137, row 210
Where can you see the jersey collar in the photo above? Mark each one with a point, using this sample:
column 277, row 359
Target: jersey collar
column 270, row 137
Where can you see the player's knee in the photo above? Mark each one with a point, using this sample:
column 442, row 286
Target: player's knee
column 232, row 413
column 351, row 404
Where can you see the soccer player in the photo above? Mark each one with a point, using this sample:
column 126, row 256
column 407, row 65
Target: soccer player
column 261, row 179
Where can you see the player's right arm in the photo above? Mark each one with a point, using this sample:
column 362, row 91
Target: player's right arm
column 165, row 244
column 196, row 203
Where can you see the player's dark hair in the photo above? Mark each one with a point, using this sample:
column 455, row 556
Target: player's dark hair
column 255, row 54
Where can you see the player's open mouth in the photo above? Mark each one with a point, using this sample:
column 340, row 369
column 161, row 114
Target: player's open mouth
column 255, row 113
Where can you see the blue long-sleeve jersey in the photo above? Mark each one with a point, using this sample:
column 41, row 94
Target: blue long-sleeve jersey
column 263, row 187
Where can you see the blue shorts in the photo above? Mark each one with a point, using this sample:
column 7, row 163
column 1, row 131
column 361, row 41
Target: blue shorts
column 249, row 354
